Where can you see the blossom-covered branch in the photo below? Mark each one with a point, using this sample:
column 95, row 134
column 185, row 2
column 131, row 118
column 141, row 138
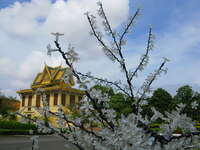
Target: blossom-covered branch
column 115, row 84
column 50, row 129
column 98, row 35
column 128, row 27
column 74, row 124
column 145, row 58
column 115, row 49
column 150, row 79
column 93, row 101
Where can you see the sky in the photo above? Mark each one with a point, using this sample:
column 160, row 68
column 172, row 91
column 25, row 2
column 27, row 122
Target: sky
column 25, row 28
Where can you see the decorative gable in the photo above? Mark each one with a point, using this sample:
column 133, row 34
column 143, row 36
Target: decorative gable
column 51, row 76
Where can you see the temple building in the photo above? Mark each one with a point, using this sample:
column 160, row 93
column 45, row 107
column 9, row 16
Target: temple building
column 56, row 90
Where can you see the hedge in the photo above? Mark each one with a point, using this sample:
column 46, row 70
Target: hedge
column 16, row 125
column 156, row 127
column 21, row 132
column 14, row 132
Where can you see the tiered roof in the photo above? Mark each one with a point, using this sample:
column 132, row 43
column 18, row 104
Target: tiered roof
column 52, row 79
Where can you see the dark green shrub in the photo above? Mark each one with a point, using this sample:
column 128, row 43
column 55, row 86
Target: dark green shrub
column 155, row 125
column 155, row 129
column 21, row 132
column 16, row 125
column 14, row 132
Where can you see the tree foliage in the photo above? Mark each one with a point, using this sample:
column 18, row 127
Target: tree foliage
column 118, row 101
column 8, row 105
column 184, row 95
column 191, row 99
column 161, row 100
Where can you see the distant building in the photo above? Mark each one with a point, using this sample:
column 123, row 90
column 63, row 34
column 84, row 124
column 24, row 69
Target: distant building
column 57, row 92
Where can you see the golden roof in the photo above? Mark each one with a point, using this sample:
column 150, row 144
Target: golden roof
column 51, row 76
column 51, row 79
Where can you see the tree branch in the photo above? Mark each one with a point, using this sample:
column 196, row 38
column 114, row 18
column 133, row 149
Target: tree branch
column 110, row 124
column 102, row 80
column 128, row 26
column 100, row 40
column 52, row 129
column 122, row 61
column 145, row 57
column 150, row 81
column 76, row 125
column 108, row 25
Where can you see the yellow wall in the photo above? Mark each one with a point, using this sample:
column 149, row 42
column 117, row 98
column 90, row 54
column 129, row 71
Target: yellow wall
column 52, row 107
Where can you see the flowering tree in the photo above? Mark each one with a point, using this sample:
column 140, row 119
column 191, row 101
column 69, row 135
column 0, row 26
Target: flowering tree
column 130, row 132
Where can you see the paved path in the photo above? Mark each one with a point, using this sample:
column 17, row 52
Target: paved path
column 24, row 143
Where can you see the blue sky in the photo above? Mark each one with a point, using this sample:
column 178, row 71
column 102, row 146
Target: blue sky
column 6, row 3
column 25, row 26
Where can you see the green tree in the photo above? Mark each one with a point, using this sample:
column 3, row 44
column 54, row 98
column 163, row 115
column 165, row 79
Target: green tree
column 195, row 113
column 7, row 105
column 187, row 96
column 184, row 94
column 104, row 89
column 161, row 100
column 121, row 104
column 146, row 109
column 118, row 101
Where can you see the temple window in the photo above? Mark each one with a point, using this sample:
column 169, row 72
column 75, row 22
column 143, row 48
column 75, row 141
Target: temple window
column 55, row 99
column 72, row 100
column 23, row 101
column 29, row 102
column 63, row 99
column 38, row 101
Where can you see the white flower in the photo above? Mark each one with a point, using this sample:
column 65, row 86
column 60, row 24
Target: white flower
column 194, row 105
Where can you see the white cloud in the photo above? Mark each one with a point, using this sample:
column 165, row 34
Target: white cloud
column 25, row 29
column 19, row 84
column 179, row 40
column 6, row 66
column 20, row 25
column 181, row 45
column 34, row 63
column 20, row 19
